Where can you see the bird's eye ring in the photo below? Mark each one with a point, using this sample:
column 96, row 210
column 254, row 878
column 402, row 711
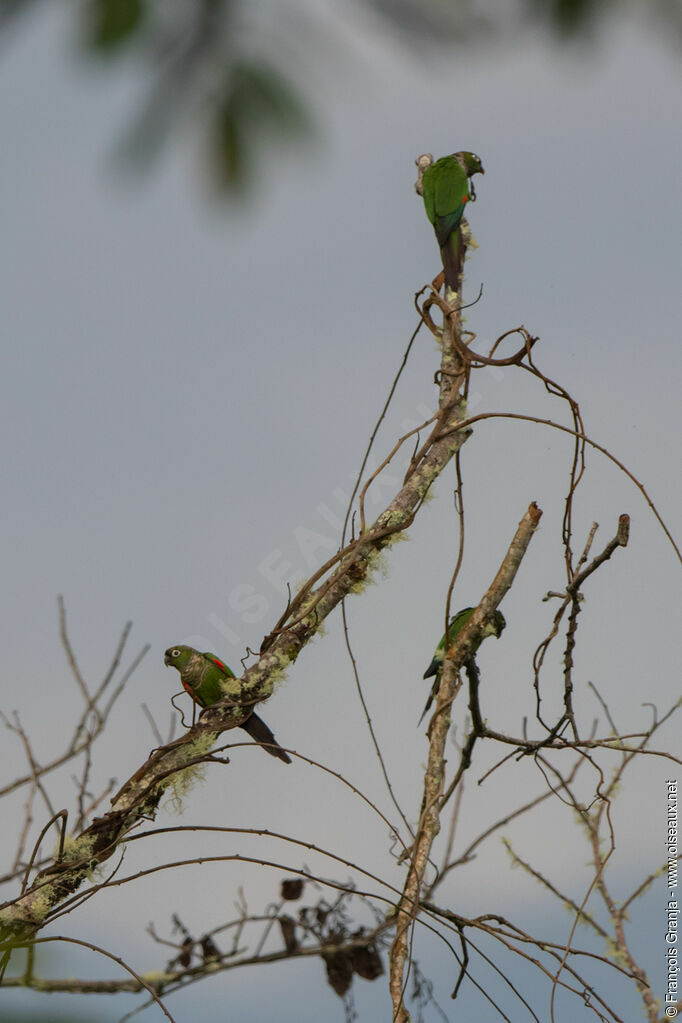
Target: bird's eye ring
column 175, row 653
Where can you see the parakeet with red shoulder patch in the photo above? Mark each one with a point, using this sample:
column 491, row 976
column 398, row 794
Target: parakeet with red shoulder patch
column 446, row 189
column 203, row 677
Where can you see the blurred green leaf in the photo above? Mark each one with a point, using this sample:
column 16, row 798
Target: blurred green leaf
column 229, row 147
column 570, row 17
column 263, row 93
column 256, row 102
column 219, row 61
column 112, row 23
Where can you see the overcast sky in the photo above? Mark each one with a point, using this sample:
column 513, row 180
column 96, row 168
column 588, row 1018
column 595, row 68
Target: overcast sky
column 188, row 386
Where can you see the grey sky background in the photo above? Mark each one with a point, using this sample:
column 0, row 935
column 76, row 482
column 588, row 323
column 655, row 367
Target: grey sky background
column 187, row 390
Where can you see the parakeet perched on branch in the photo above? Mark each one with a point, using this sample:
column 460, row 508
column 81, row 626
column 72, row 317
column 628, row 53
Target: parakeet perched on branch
column 202, row 676
column 455, row 626
column 446, row 189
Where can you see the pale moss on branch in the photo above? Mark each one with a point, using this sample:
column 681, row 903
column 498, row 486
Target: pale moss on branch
column 230, row 686
column 180, row 784
column 200, row 746
column 616, row 953
column 156, row 977
column 271, row 674
column 374, row 562
column 41, row 904
column 393, row 517
column 75, row 851
column 183, row 776
column 400, row 537
column 428, row 474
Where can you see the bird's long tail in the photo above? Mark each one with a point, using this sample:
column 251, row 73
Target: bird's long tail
column 432, row 696
column 452, row 254
column 260, row 732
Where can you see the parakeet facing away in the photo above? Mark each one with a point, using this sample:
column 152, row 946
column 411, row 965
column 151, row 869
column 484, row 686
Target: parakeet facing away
column 201, row 676
column 455, row 626
column 446, row 190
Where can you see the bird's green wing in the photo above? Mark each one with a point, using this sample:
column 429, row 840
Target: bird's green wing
column 445, row 188
column 455, row 626
column 457, row 623
column 220, row 664
column 213, row 672
column 254, row 725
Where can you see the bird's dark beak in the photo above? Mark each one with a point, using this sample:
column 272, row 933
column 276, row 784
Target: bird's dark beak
column 482, row 171
column 167, row 659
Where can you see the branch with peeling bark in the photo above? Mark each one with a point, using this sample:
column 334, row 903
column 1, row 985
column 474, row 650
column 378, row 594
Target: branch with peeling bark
column 344, row 574
column 59, row 887
column 434, row 777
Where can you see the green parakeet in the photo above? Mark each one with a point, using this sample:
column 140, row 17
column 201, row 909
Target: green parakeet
column 202, row 676
column 455, row 626
column 446, row 190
